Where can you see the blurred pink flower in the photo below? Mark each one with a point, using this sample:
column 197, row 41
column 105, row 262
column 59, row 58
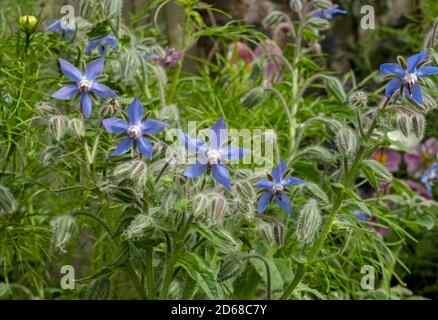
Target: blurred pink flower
column 421, row 157
column 389, row 158
column 239, row 50
column 269, row 50
column 418, row 188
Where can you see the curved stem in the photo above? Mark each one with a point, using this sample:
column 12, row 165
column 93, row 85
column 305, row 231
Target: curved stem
column 268, row 274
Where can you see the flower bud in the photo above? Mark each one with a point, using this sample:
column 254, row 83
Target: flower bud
column 136, row 170
column 359, row 99
column 219, row 206
column 111, row 107
column 404, row 123
column 272, row 19
column 323, row 4
column 28, row 24
column 77, row 127
column 63, row 229
column 257, row 70
column 314, row 191
column 419, row 125
column 246, row 209
column 98, row 289
column 335, row 87
column 308, row 222
column 346, row 141
column 58, row 126
column 199, row 204
column 112, row 8
column 320, row 24
column 87, row 8
column 245, row 191
column 49, row 155
column 231, row 265
column 279, row 235
column 129, row 64
column 46, row 110
column 296, row 5
column 139, row 226
column 170, row 199
column 253, row 98
column 169, row 114
column 8, row 204
column 267, row 231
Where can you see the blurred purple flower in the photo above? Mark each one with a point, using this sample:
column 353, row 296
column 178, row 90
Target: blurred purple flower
column 430, row 176
column 270, row 49
column 101, row 44
column 66, row 29
column 169, row 58
column 328, row 13
column 361, row 216
column 421, row 157
column 276, row 189
column 418, row 188
column 408, row 78
column 212, row 154
column 134, row 130
column 239, row 50
column 84, row 84
column 389, row 158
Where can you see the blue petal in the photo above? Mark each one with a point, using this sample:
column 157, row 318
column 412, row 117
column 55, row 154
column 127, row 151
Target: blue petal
column 191, row 144
column 66, row 93
column 263, row 201
column 111, row 41
column 336, row 11
column 414, row 60
column 144, row 146
column 392, row 68
column 291, row 181
column 115, row 125
column 102, row 90
column 94, row 69
column 221, row 175
column 416, row 93
column 123, row 147
column 135, row 111
column 151, row 126
column 284, row 202
column 279, row 170
column 91, row 45
column 218, row 134
column 54, row 25
column 319, row 14
column 86, row 104
column 392, row 86
column 233, row 153
column 426, row 71
column 264, row 184
column 195, row 170
column 70, row 71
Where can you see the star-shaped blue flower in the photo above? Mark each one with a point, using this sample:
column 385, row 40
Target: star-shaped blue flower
column 134, row 129
column 408, row 78
column 84, row 84
column 275, row 189
column 328, row 13
column 61, row 25
column 430, row 175
column 101, row 44
column 213, row 154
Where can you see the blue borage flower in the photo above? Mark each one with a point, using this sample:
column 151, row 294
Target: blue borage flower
column 328, row 13
column 361, row 216
column 61, row 25
column 430, row 175
column 212, row 155
column 84, row 84
column 407, row 76
column 276, row 188
column 135, row 129
column 101, row 43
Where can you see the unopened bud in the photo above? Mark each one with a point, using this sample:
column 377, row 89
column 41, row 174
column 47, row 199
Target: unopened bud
column 77, row 127
column 359, row 99
column 296, row 5
column 267, row 231
column 309, row 222
column 404, row 123
column 139, row 226
column 313, row 190
column 129, row 64
column 199, row 204
column 87, row 8
column 245, row 190
column 46, row 110
column 320, row 24
column 58, row 126
column 323, row 4
column 63, row 228
column 272, row 19
column 110, row 107
column 419, row 125
column 253, row 98
column 28, row 23
column 8, row 205
column 112, row 8
column 136, row 170
column 335, row 87
column 346, row 141
column 231, row 265
column 219, row 206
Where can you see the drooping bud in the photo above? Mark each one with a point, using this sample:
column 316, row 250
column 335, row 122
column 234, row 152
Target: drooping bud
column 219, row 206
column 272, row 19
column 296, row 5
column 309, row 222
column 404, row 123
column 87, row 8
column 245, row 190
column 279, row 235
column 28, row 24
column 320, row 24
column 129, row 64
column 58, row 126
column 313, row 190
column 63, row 228
column 419, row 125
column 346, row 141
column 112, row 8
column 334, row 86
column 253, row 98
column 246, row 209
column 77, row 127
column 110, row 107
column 257, row 70
column 231, row 265
column 139, row 226
column 267, row 231
column 169, row 114
column 359, row 99
column 136, row 170
column 323, row 4
column 199, row 204
column 170, row 199
column 8, row 205
column 45, row 109
column 98, row 289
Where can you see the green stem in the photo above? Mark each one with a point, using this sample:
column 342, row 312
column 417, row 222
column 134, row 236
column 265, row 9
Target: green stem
column 150, row 273
column 268, row 274
column 135, row 281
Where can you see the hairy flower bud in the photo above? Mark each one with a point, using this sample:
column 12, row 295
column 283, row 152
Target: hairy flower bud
column 87, row 8
column 136, row 170
column 112, row 8
column 63, row 230
column 296, row 5
column 419, row 125
column 346, row 141
column 313, row 190
column 8, row 204
column 139, row 226
column 129, row 64
column 272, row 19
column 309, row 221
column 246, row 209
column 28, row 24
column 219, row 206
column 320, row 24
column 110, row 107
column 267, row 231
column 404, row 123
column 98, row 289
column 77, row 127
column 199, row 204
column 170, row 199
column 169, row 114
column 58, row 126
column 359, row 99
column 253, row 98
column 45, row 109
column 245, row 190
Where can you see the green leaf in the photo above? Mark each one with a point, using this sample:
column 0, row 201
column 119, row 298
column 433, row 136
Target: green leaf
column 375, row 172
column 219, row 238
column 200, row 273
